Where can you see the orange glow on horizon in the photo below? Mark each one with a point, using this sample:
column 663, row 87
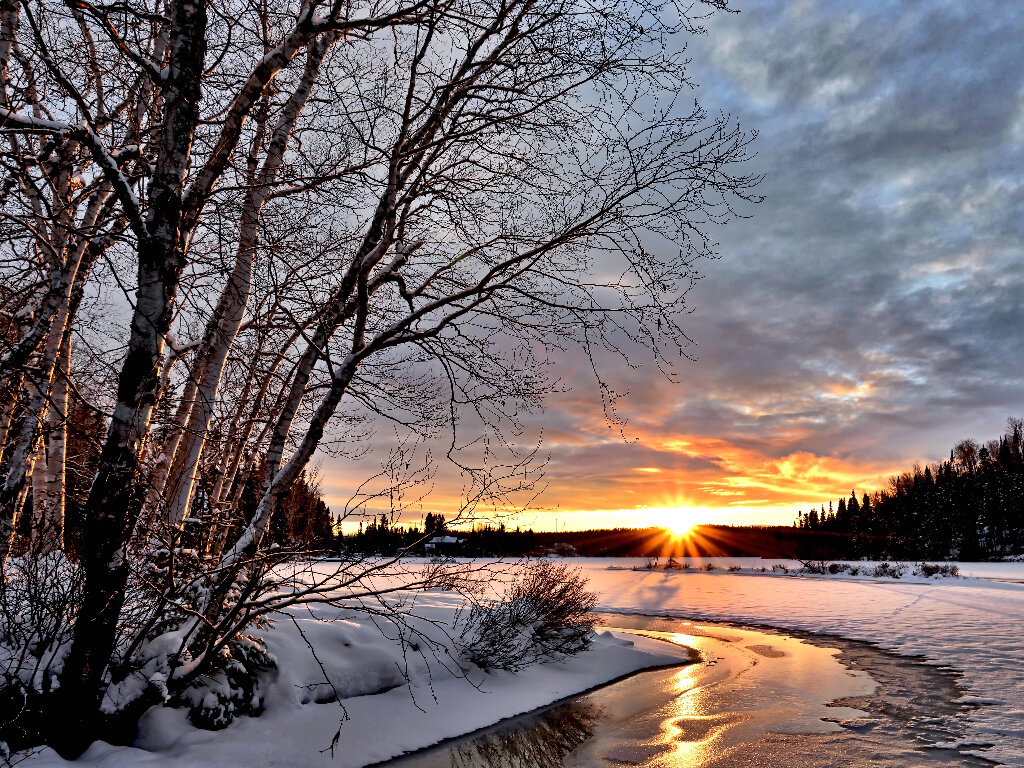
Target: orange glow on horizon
column 675, row 482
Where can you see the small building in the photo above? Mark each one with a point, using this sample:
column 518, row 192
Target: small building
column 444, row 545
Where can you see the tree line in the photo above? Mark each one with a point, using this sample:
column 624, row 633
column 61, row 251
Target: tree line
column 384, row 537
column 967, row 507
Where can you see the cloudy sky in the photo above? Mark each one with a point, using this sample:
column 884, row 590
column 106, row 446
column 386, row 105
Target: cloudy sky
column 869, row 314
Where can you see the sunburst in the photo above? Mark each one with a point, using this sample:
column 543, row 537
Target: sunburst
column 679, row 522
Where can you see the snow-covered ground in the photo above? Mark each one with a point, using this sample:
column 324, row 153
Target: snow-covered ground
column 1006, row 571
column 392, row 700
column 971, row 624
column 395, row 701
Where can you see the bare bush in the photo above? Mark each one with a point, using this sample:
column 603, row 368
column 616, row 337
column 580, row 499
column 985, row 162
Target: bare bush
column 887, row 571
column 937, row 569
column 545, row 615
column 650, row 565
column 39, row 598
column 823, row 567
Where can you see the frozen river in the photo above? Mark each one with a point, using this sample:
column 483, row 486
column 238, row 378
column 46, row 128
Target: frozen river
column 754, row 698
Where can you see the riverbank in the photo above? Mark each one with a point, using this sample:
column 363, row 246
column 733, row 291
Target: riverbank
column 370, row 693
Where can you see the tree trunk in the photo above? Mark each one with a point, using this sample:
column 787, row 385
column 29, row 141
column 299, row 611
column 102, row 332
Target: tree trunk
column 8, row 401
column 40, row 383
column 227, row 317
column 21, row 463
column 38, row 494
column 48, row 528
column 117, row 492
column 164, row 473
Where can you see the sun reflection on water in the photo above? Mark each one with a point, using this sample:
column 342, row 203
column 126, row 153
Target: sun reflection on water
column 691, row 729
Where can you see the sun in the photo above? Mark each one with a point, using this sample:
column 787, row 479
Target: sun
column 678, row 521
column 681, row 530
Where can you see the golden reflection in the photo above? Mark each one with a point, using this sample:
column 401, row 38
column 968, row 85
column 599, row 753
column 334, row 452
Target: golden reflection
column 691, row 728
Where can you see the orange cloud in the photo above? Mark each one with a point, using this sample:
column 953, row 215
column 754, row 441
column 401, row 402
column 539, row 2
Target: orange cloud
column 731, row 484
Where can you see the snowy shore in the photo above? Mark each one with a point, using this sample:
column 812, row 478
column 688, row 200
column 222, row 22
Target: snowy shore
column 392, row 702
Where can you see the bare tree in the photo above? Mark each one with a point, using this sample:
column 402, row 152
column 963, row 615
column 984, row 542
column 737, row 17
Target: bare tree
column 335, row 213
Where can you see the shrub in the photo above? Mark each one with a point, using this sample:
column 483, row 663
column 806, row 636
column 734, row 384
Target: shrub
column 233, row 688
column 710, row 567
column 937, row 569
column 39, row 599
column 21, row 716
column 545, row 615
column 733, row 568
column 884, row 570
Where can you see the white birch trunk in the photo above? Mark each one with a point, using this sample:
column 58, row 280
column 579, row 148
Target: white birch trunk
column 37, row 532
column 9, row 392
column 235, row 297
column 21, row 463
column 48, row 528
column 38, row 383
column 163, row 475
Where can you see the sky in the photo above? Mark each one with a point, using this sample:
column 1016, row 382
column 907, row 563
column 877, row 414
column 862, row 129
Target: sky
column 867, row 315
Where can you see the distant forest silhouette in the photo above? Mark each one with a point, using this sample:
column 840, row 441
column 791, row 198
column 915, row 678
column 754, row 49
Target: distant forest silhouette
column 968, row 507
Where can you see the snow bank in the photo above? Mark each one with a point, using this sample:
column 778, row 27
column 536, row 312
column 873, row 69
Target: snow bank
column 391, row 700
column 973, row 625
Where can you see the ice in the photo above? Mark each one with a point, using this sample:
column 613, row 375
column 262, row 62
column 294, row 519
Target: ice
column 974, row 625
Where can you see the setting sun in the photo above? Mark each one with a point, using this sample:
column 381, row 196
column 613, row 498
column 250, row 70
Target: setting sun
column 678, row 521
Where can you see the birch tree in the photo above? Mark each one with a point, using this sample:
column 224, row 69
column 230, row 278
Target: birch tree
column 335, row 213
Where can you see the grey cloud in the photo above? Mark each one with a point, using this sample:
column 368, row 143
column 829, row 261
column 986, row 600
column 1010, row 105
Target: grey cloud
column 887, row 136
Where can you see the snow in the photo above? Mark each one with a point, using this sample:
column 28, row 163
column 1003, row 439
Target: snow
column 395, row 701
column 384, row 715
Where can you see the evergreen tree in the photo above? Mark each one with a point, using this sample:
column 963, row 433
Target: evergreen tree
column 968, row 507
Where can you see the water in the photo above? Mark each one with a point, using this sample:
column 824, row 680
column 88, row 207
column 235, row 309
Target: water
column 756, row 698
